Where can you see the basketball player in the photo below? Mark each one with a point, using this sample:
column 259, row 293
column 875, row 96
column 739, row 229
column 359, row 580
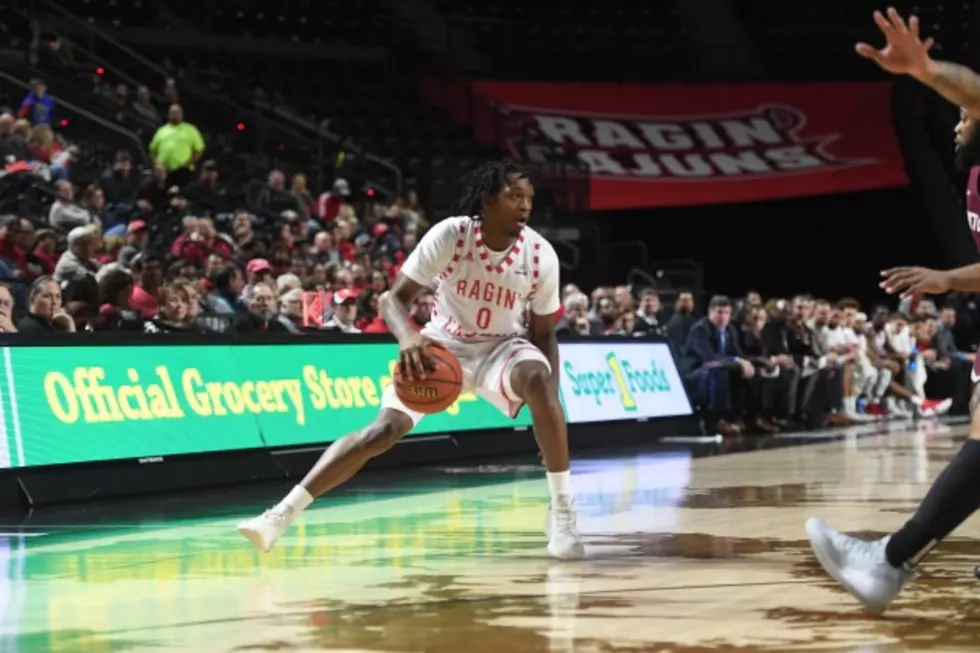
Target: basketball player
column 486, row 267
column 875, row 572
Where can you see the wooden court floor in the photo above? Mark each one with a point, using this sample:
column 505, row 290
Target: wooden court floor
column 685, row 554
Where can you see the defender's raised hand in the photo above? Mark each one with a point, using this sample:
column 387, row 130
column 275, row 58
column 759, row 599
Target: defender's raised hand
column 904, row 52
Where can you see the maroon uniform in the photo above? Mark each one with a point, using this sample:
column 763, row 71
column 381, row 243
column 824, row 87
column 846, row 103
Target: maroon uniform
column 973, row 217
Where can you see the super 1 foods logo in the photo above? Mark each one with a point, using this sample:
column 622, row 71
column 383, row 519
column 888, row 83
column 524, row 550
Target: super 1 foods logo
column 760, row 143
column 617, row 380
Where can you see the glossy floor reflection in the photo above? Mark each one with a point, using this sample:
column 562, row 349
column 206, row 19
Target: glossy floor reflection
column 686, row 554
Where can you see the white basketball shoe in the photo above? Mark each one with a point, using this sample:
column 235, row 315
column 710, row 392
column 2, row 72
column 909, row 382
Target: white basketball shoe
column 860, row 566
column 564, row 541
column 263, row 531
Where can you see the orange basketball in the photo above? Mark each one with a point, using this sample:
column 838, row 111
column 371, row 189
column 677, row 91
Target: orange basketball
column 440, row 387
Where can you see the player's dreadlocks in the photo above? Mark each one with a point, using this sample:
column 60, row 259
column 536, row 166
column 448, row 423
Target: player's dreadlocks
column 487, row 180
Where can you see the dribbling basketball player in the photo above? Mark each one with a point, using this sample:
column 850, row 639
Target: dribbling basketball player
column 487, row 266
column 875, row 572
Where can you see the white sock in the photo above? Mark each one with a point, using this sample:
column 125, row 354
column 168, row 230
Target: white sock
column 297, row 500
column 560, row 484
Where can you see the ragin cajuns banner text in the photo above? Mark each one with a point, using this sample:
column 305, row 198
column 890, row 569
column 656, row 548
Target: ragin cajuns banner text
column 683, row 145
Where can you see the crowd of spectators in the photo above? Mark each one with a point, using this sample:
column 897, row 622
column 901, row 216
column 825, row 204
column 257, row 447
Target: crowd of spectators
column 174, row 249
column 754, row 366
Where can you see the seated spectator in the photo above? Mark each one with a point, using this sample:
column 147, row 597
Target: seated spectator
column 37, row 106
column 153, row 195
column 955, row 381
column 681, row 321
column 45, row 254
column 65, row 215
column 269, row 201
column 143, row 107
column 760, row 402
column 287, row 282
column 148, row 274
column 715, row 368
column 115, row 314
column 172, row 317
column 15, row 145
column 344, row 312
column 47, row 149
column 606, row 315
column 7, row 306
column 198, row 241
column 93, row 200
column 205, row 196
column 120, row 183
column 14, row 244
column 648, row 318
column 329, row 203
column 291, row 310
column 78, row 261
column 575, row 319
column 44, row 312
column 261, row 315
column 302, row 194
column 323, row 250
column 226, row 293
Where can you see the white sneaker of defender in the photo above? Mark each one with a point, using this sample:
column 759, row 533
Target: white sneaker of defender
column 858, row 565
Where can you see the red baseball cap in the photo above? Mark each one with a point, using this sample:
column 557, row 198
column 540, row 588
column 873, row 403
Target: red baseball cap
column 136, row 225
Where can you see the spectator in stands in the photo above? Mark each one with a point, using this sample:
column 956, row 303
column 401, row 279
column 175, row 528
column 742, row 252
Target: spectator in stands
column 205, row 195
column 715, row 368
column 648, row 319
column 760, row 401
column 120, row 183
column 624, row 299
column 960, row 363
column 344, row 312
column 172, row 317
column 377, row 324
column 78, row 261
column 65, row 215
column 271, row 200
column 14, row 243
column 37, row 106
column 225, row 295
column 143, row 107
column 287, row 282
column 681, row 321
column 7, row 305
column 153, row 194
column 606, row 314
column 291, row 310
column 45, row 313
column 302, row 194
column 6, row 129
column 329, row 203
column 15, row 145
column 148, row 275
column 115, row 314
column 93, row 200
column 575, row 319
column 261, row 315
column 45, row 254
column 199, row 240
column 47, row 149
column 178, row 146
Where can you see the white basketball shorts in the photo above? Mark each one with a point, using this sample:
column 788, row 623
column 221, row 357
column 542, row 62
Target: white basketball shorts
column 487, row 368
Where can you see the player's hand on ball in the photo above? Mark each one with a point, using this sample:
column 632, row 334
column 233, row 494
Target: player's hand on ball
column 414, row 360
column 904, row 52
column 908, row 281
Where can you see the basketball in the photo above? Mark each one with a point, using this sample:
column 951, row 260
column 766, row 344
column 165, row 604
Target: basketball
column 440, row 387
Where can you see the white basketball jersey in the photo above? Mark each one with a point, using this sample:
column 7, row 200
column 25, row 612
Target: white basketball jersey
column 482, row 294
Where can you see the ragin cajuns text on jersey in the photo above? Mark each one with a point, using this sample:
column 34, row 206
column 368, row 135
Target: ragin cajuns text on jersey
column 482, row 294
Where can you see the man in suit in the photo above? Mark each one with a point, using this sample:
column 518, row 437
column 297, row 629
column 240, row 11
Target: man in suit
column 949, row 372
column 715, row 369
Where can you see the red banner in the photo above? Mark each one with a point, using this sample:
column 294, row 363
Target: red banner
column 650, row 146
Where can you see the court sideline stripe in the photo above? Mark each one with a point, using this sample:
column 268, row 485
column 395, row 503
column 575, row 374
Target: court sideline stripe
column 14, row 411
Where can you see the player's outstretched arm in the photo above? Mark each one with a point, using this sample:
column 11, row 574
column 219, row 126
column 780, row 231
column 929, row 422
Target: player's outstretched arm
column 905, row 53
